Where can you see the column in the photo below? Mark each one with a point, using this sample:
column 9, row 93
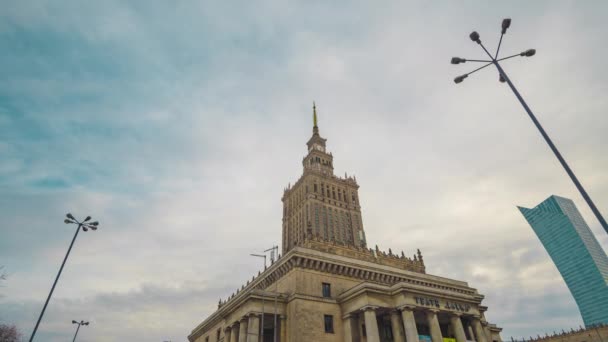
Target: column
column 486, row 328
column 283, row 328
column 234, row 335
column 409, row 323
column 457, row 327
column 253, row 330
column 243, row 330
column 371, row 324
column 397, row 327
column 480, row 335
column 431, row 316
column 351, row 328
column 470, row 330
column 227, row 333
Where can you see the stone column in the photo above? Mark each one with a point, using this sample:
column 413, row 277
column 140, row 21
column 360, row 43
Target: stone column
column 253, row 330
column 243, row 330
column 409, row 323
column 397, row 327
column 227, row 333
column 234, row 335
column 480, row 335
column 431, row 316
column 470, row 330
column 282, row 328
column 371, row 324
column 486, row 328
column 351, row 328
column 457, row 327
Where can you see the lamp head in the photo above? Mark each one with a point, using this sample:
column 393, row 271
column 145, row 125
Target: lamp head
column 505, row 25
column 74, row 322
column 66, row 221
column 458, row 60
column 475, row 37
column 460, row 78
column 68, row 215
column 528, row 53
column 86, row 219
column 501, row 79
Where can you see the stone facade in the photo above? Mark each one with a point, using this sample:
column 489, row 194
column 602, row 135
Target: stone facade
column 321, row 204
column 328, row 286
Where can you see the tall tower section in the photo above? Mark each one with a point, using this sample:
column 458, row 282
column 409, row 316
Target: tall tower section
column 576, row 252
column 321, row 205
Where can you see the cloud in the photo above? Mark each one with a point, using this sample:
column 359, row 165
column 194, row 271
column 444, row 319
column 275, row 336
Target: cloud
column 178, row 125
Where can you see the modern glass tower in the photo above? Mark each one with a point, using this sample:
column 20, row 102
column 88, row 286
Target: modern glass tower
column 575, row 251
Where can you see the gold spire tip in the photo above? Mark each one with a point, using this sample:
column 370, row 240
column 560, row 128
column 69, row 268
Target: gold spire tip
column 314, row 113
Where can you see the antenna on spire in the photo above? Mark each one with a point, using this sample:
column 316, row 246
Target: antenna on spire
column 314, row 114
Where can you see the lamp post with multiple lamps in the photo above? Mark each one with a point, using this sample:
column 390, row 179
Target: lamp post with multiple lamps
column 79, row 324
column 84, row 225
column 506, row 23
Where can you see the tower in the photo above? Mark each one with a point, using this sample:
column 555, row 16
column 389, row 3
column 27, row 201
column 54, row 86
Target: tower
column 575, row 251
column 320, row 204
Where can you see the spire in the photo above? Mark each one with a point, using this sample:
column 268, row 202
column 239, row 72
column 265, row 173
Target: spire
column 315, row 128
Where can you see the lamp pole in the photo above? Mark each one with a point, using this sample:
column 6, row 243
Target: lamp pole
column 85, row 225
column 79, row 324
column 273, row 253
column 261, row 256
column 506, row 23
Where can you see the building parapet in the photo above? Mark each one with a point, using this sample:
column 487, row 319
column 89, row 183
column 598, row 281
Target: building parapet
column 415, row 264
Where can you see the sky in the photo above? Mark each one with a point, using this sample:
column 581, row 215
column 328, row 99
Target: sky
column 178, row 124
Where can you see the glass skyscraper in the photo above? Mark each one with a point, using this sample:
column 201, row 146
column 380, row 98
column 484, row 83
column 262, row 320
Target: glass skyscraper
column 575, row 251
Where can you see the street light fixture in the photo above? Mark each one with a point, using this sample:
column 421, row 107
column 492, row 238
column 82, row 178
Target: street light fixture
column 79, row 324
column 506, row 23
column 85, row 225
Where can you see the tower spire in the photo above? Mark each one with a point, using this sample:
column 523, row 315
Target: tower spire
column 315, row 128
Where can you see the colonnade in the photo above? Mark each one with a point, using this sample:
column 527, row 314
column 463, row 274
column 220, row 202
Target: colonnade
column 403, row 325
column 248, row 329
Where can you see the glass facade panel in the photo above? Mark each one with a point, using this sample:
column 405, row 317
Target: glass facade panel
column 576, row 252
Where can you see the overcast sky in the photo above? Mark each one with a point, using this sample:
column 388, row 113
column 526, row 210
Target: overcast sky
column 178, row 124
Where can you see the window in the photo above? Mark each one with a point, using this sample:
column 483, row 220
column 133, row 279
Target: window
column 363, row 332
column 207, row 339
column 329, row 323
column 315, row 187
column 218, row 335
column 326, row 290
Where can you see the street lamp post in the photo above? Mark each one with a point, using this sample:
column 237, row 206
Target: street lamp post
column 273, row 253
column 85, row 225
column 506, row 23
column 79, row 324
column 263, row 302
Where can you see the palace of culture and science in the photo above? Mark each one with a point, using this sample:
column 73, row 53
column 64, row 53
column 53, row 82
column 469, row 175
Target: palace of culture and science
column 328, row 285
